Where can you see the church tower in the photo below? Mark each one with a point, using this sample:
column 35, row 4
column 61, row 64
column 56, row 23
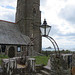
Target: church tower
column 28, row 18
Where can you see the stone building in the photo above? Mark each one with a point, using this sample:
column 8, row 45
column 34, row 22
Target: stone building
column 15, row 37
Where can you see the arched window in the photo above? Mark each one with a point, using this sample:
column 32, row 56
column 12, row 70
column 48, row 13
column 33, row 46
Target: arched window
column 34, row 11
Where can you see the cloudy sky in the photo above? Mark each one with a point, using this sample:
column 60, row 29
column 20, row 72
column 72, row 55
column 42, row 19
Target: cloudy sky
column 60, row 14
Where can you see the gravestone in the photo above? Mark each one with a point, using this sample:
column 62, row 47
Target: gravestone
column 31, row 64
column 9, row 65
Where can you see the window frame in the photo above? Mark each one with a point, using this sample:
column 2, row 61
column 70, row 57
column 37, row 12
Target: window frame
column 3, row 47
column 18, row 48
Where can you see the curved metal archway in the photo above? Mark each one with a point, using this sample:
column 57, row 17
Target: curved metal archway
column 56, row 47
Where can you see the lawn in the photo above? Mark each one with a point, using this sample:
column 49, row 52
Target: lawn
column 41, row 59
column 2, row 57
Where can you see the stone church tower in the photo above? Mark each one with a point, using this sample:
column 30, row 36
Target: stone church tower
column 28, row 18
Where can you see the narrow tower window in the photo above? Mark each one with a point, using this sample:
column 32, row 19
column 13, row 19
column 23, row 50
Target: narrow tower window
column 34, row 11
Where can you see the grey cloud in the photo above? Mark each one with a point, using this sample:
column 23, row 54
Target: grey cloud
column 8, row 8
column 72, row 38
column 68, row 13
column 5, row 3
column 55, row 31
column 63, row 0
column 8, row 17
column 66, row 35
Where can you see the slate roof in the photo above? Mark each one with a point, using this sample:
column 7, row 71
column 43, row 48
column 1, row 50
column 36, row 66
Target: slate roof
column 10, row 34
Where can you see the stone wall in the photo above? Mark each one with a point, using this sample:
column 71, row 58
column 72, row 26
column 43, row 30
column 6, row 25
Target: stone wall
column 8, row 51
column 73, row 59
column 58, row 66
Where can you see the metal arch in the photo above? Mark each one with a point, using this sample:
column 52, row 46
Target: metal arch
column 55, row 43
column 33, row 39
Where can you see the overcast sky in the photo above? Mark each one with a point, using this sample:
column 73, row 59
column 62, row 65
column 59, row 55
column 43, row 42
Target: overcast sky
column 60, row 14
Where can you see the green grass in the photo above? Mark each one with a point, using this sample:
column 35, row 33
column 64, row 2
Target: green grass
column 41, row 59
column 2, row 57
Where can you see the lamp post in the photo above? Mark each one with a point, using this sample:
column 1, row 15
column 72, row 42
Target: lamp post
column 55, row 60
column 45, row 29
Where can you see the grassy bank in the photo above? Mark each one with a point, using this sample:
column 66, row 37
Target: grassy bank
column 2, row 57
column 41, row 59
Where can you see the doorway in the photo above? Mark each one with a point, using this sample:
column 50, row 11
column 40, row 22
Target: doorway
column 11, row 52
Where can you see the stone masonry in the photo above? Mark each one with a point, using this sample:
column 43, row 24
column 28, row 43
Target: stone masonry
column 58, row 66
column 28, row 18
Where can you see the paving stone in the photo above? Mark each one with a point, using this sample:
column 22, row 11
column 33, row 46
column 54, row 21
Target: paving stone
column 39, row 74
column 44, row 72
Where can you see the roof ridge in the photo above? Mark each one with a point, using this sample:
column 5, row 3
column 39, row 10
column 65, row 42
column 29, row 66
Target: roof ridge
column 8, row 21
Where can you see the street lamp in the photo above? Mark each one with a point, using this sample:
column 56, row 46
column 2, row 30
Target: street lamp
column 45, row 29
